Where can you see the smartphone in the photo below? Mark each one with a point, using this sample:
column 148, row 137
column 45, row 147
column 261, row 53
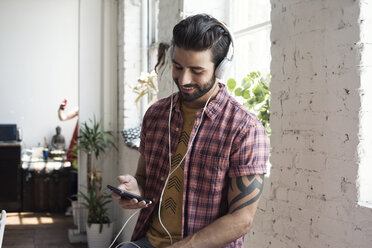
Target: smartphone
column 127, row 195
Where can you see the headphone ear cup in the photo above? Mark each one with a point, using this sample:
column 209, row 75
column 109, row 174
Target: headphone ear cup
column 223, row 68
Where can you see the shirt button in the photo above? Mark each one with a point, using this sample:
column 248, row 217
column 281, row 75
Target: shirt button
column 177, row 129
column 153, row 199
column 162, row 179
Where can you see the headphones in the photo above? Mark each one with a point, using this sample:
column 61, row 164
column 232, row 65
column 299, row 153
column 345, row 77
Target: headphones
column 227, row 62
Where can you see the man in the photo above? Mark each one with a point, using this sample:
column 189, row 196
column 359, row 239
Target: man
column 213, row 173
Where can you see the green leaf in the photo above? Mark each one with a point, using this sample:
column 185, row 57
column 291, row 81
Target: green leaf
column 252, row 100
column 254, row 74
column 93, row 140
column 257, row 90
column 246, row 83
column 231, row 84
column 260, row 99
column 238, row 91
column 246, row 94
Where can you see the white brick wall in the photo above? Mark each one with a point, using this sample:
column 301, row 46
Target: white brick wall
column 366, row 101
column 310, row 199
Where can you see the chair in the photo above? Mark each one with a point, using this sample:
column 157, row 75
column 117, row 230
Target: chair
column 2, row 226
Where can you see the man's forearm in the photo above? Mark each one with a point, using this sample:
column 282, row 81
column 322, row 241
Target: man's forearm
column 243, row 196
column 222, row 231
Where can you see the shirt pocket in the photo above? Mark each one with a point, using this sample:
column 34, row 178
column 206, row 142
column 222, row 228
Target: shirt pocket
column 208, row 173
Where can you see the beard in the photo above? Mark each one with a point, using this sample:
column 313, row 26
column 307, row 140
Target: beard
column 200, row 90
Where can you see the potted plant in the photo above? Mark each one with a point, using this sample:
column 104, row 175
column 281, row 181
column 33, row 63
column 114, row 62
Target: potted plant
column 93, row 141
column 99, row 227
column 146, row 85
column 254, row 93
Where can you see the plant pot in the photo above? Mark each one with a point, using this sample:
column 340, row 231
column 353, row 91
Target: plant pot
column 97, row 239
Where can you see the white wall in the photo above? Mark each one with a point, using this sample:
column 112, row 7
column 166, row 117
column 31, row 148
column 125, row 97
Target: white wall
column 365, row 44
column 38, row 66
column 98, row 78
column 311, row 197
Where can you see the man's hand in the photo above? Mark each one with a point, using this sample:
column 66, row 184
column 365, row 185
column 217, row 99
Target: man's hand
column 129, row 183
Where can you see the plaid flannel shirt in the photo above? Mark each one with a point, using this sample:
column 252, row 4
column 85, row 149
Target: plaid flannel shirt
column 231, row 142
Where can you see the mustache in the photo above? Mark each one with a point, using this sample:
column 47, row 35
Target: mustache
column 186, row 85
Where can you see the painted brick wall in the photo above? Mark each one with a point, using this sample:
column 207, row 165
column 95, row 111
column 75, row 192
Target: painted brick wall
column 310, row 199
column 365, row 44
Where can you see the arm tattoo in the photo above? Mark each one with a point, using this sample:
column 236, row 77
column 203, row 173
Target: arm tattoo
column 245, row 191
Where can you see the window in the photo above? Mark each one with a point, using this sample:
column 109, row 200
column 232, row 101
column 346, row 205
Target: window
column 250, row 22
column 251, row 26
column 151, row 46
column 140, row 54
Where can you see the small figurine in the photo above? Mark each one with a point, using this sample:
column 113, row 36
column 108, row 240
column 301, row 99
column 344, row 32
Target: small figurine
column 58, row 141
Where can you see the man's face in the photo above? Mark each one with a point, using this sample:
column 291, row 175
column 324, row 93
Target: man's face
column 193, row 73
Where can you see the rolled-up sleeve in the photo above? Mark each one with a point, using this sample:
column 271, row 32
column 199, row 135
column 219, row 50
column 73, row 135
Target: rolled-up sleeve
column 251, row 150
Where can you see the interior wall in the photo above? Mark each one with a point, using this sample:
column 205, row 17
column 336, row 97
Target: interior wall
column 311, row 197
column 365, row 44
column 38, row 66
column 98, row 81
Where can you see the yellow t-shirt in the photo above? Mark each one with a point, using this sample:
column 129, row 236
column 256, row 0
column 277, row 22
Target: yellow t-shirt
column 171, row 208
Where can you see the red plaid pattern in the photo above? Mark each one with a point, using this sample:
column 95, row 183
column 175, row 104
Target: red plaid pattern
column 231, row 142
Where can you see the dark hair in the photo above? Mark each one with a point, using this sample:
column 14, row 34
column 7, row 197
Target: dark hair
column 162, row 50
column 201, row 32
